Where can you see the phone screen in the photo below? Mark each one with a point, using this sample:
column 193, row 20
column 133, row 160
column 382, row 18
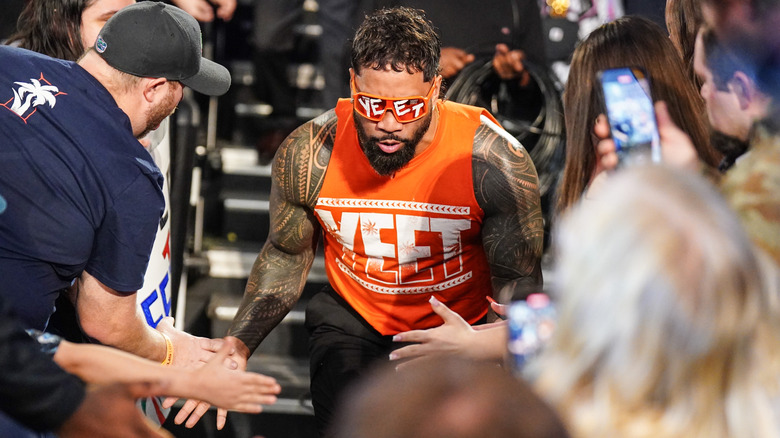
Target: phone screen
column 631, row 115
column 531, row 323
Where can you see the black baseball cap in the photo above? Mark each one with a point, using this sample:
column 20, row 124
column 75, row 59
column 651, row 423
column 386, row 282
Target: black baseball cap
column 156, row 40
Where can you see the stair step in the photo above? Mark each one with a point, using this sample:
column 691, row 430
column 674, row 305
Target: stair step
column 243, row 161
column 245, row 201
column 246, row 205
column 309, row 30
column 308, row 113
column 256, row 109
column 237, row 263
column 290, row 406
column 225, row 306
column 230, row 263
column 245, row 186
column 293, row 376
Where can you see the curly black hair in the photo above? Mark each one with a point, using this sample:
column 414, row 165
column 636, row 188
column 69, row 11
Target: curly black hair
column 401, row 38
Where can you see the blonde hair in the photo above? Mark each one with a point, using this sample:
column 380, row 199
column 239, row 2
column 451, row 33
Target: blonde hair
column 666, row 325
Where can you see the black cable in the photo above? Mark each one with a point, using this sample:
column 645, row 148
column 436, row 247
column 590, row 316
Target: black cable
column 542, row 134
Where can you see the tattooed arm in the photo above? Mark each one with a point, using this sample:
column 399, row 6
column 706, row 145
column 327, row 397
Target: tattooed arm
column 280, row 271
column 506, row 186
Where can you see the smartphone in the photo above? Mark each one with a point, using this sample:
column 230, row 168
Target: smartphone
column 530, row 323
column 631, row 115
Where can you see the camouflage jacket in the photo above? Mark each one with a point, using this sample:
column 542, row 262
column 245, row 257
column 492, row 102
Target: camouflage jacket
column 752, row 188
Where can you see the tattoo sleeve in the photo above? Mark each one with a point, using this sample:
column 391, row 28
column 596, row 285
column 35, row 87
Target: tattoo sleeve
column 281, row 269
column 506, row 186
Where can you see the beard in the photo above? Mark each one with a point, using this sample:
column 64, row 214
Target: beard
column 157, row 114
column 387, row 164
column 731, row 147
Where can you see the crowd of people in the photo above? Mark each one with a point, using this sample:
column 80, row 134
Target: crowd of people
column 665, row 275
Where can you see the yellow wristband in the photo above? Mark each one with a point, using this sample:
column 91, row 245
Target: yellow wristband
column 168, row 350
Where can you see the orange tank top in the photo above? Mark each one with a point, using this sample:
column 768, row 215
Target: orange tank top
column 392, row 242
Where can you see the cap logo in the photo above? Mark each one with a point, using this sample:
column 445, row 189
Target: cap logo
column 100, row 45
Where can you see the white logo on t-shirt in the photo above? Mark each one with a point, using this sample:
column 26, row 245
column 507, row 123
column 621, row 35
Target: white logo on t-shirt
column 29, row 95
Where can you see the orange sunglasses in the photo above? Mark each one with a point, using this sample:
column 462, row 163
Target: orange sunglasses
column 405, row 109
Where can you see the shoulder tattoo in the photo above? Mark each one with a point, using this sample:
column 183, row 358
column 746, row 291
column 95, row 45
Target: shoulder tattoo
column 300, row 164
column 506, row 186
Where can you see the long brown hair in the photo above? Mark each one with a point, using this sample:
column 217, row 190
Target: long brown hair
column 51, row 27
column 628, row 41
column 683, row 19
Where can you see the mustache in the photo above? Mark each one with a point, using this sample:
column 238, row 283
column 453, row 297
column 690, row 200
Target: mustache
column 389, row 137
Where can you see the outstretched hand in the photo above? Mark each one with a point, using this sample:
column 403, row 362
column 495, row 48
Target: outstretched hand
column 455, row 336
column 188, row 350
column 226, row 360
column 233, row 389
column 508, row 64
column 193, row 352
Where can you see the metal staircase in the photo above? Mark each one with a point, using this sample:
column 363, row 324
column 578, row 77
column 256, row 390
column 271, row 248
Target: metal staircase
column 228, row 219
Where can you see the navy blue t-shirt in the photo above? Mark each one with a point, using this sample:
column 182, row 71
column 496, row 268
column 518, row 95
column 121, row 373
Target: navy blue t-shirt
column 81, row 192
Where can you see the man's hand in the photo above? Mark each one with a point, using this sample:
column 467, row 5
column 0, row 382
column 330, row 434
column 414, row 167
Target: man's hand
column 203, row 11
column 110, row 411
column 235, row 389
column 225, row 8
column 192, row 352
column 453, row 60
column 508, row 64
column 193, row 410
column 189, row 351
